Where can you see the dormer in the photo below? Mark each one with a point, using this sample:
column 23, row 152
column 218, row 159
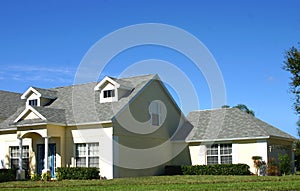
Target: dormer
column 38, row 97
column 111, row 90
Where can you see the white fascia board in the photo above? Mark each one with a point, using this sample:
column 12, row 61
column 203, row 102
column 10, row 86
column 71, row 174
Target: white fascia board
column 31, row 89
column 29, row 108
column 92, row 123
column 230, row 139
column 30, row 125
column 9, row 129
column 101, row 83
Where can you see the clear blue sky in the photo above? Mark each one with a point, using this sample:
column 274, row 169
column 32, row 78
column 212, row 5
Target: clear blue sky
column 43, row 42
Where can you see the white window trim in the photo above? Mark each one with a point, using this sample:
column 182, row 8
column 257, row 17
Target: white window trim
column 219, row 152
column 157, row 112
column 87, row 156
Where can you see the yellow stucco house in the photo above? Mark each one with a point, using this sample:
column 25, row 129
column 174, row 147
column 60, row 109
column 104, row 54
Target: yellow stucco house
column 125, row 127
column 231, row 136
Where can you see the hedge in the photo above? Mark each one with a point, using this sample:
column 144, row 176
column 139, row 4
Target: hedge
column 77, row 173
column 215, row 169
column 7, row 175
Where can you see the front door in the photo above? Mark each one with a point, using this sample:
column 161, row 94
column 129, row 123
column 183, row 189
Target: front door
column 41, row 157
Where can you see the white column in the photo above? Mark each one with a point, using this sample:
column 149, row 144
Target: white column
column 46, row 154
column 20, row 153
column 20, row 175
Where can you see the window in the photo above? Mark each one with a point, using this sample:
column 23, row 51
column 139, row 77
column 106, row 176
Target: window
column 87, row 155
column 155, row 112
column 33, row 102
column 14, row 157
column 219, row 154
column 108, row 93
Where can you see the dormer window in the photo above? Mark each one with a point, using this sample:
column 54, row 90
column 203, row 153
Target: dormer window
column 112, row 89
column 108, row 93
column 33, row 102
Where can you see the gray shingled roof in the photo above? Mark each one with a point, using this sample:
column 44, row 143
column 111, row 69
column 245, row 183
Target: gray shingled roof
column 46, row 93
column 10, row 102
column 79, row 104
column 230, row 124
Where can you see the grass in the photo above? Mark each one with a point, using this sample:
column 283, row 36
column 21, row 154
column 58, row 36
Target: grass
column 164, row 183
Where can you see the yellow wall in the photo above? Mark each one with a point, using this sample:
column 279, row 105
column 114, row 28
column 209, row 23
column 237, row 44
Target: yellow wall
column 142, row 145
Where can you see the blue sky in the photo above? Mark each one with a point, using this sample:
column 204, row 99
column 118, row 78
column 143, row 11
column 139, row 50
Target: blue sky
column 43, row 42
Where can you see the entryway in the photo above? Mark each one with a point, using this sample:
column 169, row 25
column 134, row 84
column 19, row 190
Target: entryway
column 51, row 158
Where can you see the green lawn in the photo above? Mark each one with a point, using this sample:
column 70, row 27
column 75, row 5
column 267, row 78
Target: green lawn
column 181, row 183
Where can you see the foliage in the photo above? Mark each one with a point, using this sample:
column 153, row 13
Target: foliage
column 292, row 65
column 297, row 153
column 35, row 177
column 75, row 173
column 245, row 109
column 217, row 169
column 242, row 107
column 46, row 176
column 258, row 163
column 272, row 169
column 284, row 164
column 7, row 175
column 176, row 183
column 173, row 170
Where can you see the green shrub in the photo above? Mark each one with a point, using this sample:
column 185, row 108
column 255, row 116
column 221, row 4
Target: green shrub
column 35, row 177
column 46, row 176
column 285, row 164
column 173, row 170
column 217, row 169
column 7, row 175
column 75, row 173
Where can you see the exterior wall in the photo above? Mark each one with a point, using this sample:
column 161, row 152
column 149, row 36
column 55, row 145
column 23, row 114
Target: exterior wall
column 7, row 140
column 242, row 152
column 91, row 134
column 108, row 86
column 30, row 115
column 245, row 151
column 57, row 136
column 144, row 149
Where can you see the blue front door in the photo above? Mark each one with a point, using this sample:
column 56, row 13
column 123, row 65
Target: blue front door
column 41, row 158
column 51, row 159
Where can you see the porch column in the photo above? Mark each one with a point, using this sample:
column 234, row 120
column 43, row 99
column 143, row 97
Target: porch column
column 20, row 153
column 20, row 172
column 46, row 154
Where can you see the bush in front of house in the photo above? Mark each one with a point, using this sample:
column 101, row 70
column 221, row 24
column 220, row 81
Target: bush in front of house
column 285, row 164
column 215, row 169
column 77, row 173
column 7, row 175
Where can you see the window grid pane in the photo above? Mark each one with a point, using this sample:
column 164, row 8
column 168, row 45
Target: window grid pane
column 225, row 149
column 219, row 154
column 87, row 155
column 80, row 161
column 212, row 159
column 155, row 119
column 80, row 150
column 226, row 159
column 93, row 162
column 93, row 149
column 14, row 157
column 212, row 150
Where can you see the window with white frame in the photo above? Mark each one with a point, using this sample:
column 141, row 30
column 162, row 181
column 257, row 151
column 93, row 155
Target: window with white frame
column 108, row 93
column 15, row 154
column 87, row 154
column 219, row 154
column 155, row 112
column 33, row 102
